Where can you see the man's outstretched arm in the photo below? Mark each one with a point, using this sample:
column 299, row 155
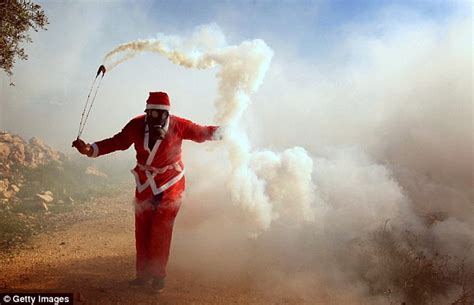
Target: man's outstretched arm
column 198, row 133
column 120, row 141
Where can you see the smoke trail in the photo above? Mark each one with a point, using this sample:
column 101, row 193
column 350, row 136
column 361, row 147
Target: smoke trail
column 264, row 184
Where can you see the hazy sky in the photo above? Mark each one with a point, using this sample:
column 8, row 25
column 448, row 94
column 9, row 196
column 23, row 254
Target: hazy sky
column 308, row 37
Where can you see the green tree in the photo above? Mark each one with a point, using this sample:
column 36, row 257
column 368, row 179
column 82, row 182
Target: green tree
column 17, row 17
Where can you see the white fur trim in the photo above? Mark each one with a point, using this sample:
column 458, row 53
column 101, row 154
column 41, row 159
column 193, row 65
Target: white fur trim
column 95, row 150
column 147, row 136
column 150, row 182
column 151, row 156
column 140, row 187
column 157, row 143
column 157, row 107
column 167, row 185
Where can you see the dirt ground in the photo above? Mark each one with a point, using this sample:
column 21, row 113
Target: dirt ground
column 94, row 259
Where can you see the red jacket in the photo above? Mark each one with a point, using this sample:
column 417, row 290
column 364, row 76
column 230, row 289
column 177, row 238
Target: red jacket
column 160, row 168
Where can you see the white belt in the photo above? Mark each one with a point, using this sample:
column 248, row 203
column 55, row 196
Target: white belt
column 160, row 170
column 151, row 172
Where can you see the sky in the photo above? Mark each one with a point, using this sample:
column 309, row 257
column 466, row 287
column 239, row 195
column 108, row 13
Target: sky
column 52, row 85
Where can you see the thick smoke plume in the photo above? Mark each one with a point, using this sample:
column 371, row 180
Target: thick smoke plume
column 266, row 185
column 381, row 213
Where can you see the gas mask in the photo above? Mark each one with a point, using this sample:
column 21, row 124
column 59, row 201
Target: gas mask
column 156, row 120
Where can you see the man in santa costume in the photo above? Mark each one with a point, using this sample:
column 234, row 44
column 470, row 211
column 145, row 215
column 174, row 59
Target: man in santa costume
column 159, row 175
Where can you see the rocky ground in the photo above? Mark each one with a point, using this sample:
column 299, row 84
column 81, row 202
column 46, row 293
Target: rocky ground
column 29, row 169
column 17, row 154
column 39, row 186
column 91, row 254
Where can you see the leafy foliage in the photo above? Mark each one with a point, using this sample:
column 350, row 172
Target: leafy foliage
column 17, row 17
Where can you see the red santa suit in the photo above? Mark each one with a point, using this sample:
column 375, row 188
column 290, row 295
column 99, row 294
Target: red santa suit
column 159, row 173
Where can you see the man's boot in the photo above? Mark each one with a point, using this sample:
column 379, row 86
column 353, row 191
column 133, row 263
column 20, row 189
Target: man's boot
column 158, row 284
column 137, row 283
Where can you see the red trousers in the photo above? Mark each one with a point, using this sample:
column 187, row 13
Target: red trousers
column 153, row 230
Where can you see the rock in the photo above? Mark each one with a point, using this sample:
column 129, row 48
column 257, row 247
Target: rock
column 18, row 153
column 46, row 197
column 4, row 185
column 6, row 137
column 18, row 140
column 39, row 153
column 37, row 142
column 5, row 191
column 7, row 194
column 4, row 151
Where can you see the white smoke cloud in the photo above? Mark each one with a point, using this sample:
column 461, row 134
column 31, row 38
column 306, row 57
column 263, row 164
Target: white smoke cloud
column 389, row 133
column 359, row 193
column 265, row 184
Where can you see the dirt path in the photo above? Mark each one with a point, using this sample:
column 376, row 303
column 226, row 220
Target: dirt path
column 94, row 259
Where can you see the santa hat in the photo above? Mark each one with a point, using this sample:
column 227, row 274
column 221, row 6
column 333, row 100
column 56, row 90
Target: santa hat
column 158, row 100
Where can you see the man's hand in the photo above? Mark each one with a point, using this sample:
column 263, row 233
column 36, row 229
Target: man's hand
column 82, row 147
column 219, row 133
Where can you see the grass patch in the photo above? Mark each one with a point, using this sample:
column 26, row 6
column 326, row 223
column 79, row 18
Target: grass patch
column 408, row 269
